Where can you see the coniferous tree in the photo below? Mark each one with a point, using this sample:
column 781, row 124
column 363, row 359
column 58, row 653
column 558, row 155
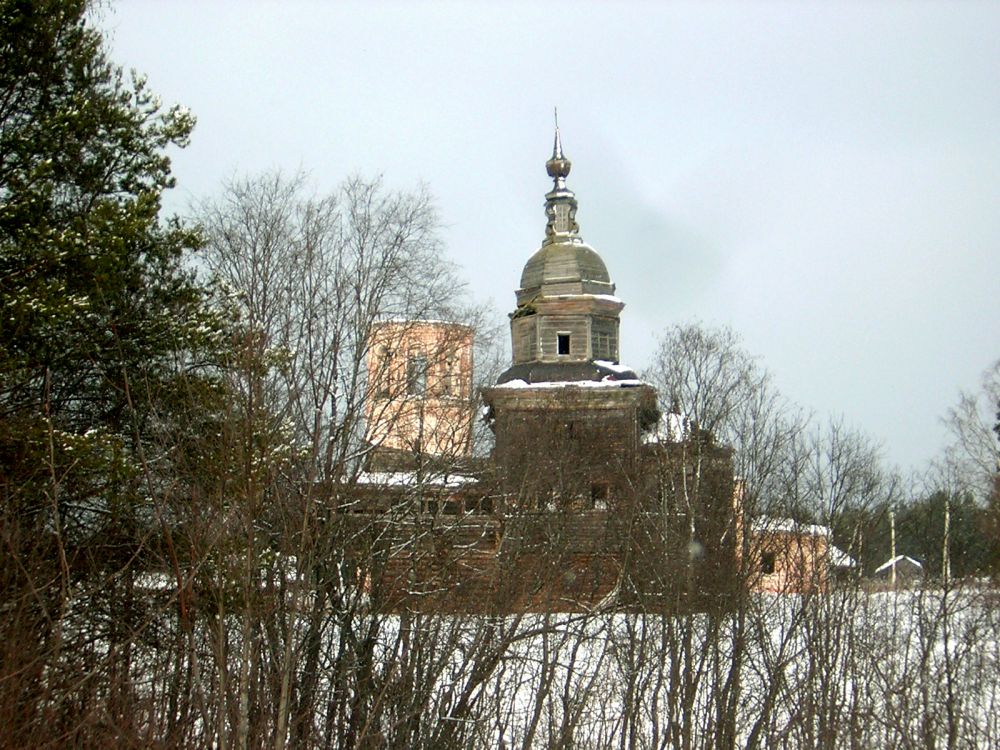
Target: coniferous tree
column 101, row 328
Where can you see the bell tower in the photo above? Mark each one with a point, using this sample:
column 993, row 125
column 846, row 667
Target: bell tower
column 567, row 415
column 565, row 326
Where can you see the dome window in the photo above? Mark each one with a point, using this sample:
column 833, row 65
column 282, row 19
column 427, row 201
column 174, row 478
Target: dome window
column 562, row 343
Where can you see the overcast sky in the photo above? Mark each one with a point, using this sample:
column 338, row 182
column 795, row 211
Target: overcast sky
column 824, row 178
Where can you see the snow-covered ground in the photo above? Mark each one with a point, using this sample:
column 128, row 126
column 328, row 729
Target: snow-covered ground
column 847, row 669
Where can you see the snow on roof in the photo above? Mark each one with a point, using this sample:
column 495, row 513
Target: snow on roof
column 896, row 561
column 787, row 525
column 431, row 321
column 607, row 383
column 409, row 479
column 604, row 297
column 613, row 366
column 840, row 559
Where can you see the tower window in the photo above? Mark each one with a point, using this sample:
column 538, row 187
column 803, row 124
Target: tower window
column 448, row 381
column 416, row 375
column 383, row 372
column 599, row 495
column 562, row 343
column 767, row 563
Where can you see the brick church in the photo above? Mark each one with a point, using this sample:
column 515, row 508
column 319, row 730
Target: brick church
column 591, row 499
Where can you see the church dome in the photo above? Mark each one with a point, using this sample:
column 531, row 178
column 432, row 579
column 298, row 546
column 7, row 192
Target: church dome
column 566, row 262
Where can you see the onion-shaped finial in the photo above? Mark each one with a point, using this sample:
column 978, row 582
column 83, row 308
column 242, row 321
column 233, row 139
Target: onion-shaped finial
column 558, row 166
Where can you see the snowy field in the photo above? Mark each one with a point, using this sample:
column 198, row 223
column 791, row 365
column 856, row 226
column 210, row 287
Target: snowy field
column 916, row 669
column 849, row 669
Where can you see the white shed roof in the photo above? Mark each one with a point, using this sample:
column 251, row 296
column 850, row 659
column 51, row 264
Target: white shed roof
column 896, row 561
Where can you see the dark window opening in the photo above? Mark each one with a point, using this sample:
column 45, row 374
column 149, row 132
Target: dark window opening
column 416, row 375
column 562, row 343
column 767, row 563
column 482, row 505
column 383, row 372
column 599, row 492
column 449, row 382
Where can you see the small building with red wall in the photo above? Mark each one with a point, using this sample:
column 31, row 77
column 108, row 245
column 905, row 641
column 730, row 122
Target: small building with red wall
column 420, row 388
column 788, row 557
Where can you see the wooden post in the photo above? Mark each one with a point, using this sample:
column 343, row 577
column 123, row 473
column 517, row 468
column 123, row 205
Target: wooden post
column 892, row 546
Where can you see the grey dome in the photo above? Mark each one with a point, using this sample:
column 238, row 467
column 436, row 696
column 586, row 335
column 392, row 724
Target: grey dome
column 562, row 262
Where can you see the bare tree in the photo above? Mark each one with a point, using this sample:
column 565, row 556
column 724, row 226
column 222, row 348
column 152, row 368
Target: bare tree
column 300, row 635
column 973, row 456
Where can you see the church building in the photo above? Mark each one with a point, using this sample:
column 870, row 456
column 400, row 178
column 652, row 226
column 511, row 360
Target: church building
column 586, row 501
column 567, row 402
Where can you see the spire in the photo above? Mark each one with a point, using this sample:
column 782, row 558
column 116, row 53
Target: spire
column 560, row 202
column 558, row 166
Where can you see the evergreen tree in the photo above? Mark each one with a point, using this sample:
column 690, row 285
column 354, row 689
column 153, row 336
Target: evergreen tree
column 920, row 533
column 96, row 306
column 101, row 327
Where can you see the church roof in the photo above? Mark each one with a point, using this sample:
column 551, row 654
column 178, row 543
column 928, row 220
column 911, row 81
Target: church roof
column 562, row 262
column 594, row 371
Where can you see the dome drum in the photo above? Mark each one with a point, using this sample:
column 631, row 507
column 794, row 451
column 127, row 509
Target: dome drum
column 564, row 338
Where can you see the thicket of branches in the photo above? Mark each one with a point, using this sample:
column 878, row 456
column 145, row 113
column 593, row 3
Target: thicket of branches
column 179, row 458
